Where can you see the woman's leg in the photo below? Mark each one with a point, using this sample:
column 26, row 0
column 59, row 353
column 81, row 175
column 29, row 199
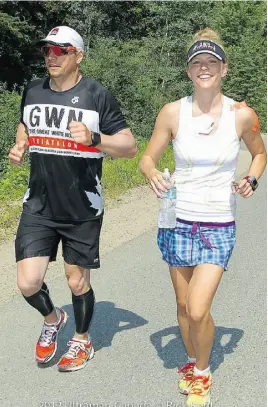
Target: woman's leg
column 201, row 291
column 181, row 277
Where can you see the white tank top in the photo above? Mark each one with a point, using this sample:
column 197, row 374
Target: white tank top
column 205, row 166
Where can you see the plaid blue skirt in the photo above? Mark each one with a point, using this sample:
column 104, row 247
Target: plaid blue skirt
column 193, row 243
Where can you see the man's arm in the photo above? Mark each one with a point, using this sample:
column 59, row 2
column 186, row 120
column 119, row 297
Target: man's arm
column 17, row 152
column 116, row 138
column 120, row 144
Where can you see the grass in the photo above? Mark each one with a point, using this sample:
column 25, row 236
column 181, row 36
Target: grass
column 118, row 177
column 122, row 174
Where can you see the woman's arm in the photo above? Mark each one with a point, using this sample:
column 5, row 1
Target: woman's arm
column 162, row 134
column 249, row 129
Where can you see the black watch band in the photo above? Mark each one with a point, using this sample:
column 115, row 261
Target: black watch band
column 95, row 138
column 253, row 182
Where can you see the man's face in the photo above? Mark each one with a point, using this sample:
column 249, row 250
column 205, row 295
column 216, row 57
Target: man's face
column 61, row 61
column 206, row 71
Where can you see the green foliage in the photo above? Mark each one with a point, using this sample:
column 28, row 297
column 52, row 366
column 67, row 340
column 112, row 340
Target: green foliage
column 16, row 50
column 14, row 35
column 136, row 82
column 12, row 188
column 22, row 23
column 243, row 29
column 14, row 183
column 9, row 117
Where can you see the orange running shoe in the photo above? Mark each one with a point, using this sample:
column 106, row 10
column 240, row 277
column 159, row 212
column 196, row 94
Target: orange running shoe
column 186, row 376
column 47, row 343
column 199, row 395
column 77, row 356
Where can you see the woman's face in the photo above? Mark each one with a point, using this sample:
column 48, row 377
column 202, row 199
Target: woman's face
column 206, row 71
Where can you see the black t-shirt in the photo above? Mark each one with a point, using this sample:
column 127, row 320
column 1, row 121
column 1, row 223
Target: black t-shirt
column 65, row 177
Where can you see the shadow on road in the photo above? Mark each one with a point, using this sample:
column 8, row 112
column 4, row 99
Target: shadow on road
column 107, row 321
column 169, row 346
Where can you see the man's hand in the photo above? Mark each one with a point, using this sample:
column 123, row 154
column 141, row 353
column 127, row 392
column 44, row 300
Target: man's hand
column 17, row 152
column 243, row 188
column 80, row 133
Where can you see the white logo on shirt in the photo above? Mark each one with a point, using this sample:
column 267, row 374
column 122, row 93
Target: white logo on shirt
column 75, row 99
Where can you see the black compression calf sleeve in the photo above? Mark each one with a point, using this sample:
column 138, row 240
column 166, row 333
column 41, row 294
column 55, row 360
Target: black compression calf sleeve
column 83, row 310
column 41, row 301
column 45, row 287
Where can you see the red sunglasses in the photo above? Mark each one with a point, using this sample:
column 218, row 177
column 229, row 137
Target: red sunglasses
column 57, row 50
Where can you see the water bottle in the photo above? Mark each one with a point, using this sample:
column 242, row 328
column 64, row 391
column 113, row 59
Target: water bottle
column 167, row 211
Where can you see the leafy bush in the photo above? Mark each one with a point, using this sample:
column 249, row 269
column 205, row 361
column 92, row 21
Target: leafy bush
column 9, row 119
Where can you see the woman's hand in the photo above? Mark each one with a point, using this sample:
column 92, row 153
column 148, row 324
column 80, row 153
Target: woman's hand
column 242, row 188
column 157, row 182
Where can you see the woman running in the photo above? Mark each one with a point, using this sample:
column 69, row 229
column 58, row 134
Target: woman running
column 206, row 129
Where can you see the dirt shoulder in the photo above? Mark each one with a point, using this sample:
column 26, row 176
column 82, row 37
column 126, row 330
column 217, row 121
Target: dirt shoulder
column 126, row 218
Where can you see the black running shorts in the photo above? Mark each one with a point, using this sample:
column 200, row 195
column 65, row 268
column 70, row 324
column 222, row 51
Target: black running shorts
column 37, row 236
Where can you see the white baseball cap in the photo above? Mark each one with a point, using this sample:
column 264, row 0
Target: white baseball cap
column 63, row 36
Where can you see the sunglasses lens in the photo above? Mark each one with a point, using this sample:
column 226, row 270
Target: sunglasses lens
column 55, row 49
column 58, row 51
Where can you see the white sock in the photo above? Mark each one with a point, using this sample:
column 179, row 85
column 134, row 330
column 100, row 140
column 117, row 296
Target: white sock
column 204, row 372
column 191, row 360
column 83, row 340
column 58, row 314
column 58, row 317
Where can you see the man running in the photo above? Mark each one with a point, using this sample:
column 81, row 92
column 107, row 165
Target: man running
column 68, row 122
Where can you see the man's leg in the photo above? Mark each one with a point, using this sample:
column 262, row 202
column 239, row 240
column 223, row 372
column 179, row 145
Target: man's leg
column 81, row 253
column 80, row 347
column 36, row 244
column 82, row 297
column 30, row 276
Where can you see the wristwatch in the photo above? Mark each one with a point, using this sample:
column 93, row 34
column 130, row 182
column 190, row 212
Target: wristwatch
column 95, row 138
column 253, row 182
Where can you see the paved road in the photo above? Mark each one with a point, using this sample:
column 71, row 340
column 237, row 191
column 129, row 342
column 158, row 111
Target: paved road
column 135, row 333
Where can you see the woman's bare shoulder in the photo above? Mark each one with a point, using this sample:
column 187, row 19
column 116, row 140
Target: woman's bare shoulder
column 172, row 108
column 246, row 115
